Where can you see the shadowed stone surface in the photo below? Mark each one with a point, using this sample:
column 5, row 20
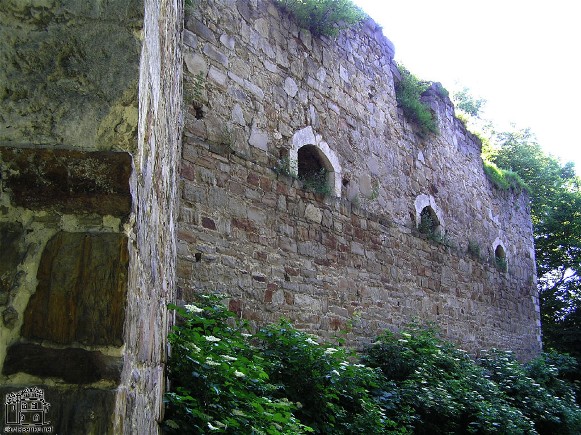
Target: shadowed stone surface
column 75, row 366
column 68, row 181
column 82, row 286
column 77, row 411
column 11, row 254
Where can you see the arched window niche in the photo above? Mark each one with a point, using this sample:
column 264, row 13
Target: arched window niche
column 500, row 260
column 428, row 216
column 312, row 158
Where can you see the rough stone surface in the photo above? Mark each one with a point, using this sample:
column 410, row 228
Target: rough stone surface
column 152, row 250
column 68, row 94
column 63, row 82
column 74, row 366
column 81, row 292
column 12, row 252
column 67, row 181
column 359, row 257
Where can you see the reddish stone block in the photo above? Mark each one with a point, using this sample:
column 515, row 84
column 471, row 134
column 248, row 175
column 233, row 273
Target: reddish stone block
column 289, row 298
column 268, row 295
column 282, row 188
column 208, row 223
column 236, row 188
column 188, row 171
column 235, row 305
column 359, row 234
column 322, row 262
column 266, row 184
column 291, row 271
column 253, row 179
column 260, row 255
column 186, row 236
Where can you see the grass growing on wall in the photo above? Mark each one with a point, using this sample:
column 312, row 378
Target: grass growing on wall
column 225, row 380
column 408, row 92
column 324, row 17
column 502, row 178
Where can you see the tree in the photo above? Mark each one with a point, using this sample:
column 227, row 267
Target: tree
column 467, row 104
column 555, row 193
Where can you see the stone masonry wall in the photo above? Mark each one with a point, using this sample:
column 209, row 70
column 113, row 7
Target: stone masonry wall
column 152, row 247
column 258, row 89
column 68, row 128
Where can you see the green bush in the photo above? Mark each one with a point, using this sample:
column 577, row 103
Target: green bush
column 446, row 391
column 408, row 93
column 324, row 17
column 536, row 390
column 317, row 182
column 281, row 381
column 218, row 382
column 335, row 394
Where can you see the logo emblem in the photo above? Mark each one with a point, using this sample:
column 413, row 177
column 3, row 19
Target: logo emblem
column 26, row 411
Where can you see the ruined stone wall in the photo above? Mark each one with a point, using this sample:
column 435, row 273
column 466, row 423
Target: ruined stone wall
column 87, row 250
column 259, row 89
column 152, row 247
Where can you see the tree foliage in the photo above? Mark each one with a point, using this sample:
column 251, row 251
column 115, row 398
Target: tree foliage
column 468, row 104
column 555, row 193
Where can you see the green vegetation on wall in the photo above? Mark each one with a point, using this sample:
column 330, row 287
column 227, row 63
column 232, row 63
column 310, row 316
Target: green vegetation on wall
column 408, row 92
column 316, row 182
column 503, row 179
column 283, row 381
column 324, row 17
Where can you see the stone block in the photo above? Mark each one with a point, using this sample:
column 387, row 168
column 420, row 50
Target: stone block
column 12, row 253
column 74, row 366
column 67, row 181
column 313, row 214
column 81, row 291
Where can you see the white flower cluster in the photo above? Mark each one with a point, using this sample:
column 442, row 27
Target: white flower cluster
column 193, row 309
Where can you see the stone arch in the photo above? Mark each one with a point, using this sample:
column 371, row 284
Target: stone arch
column 425, row 206
column 315, row 153
column 499, row 251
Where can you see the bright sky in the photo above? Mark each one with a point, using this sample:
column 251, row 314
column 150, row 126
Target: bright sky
column 522, row 56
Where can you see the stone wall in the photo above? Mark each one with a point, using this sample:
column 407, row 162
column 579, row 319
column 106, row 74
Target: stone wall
column 152, row 247
column 258, row 90
column 87, row 250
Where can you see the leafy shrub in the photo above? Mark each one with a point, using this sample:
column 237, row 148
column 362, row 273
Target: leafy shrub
column 281, row 381
column 324, row 17
column 408, row 92
column 474, row 249
column 445, row 390
column 218, row 382
column 335, row 393
column 317, row 182
column 536, row 390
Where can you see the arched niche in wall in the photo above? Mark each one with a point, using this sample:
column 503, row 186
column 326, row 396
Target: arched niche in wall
column 499, row 251
column 429, row 217
column 309, row 154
